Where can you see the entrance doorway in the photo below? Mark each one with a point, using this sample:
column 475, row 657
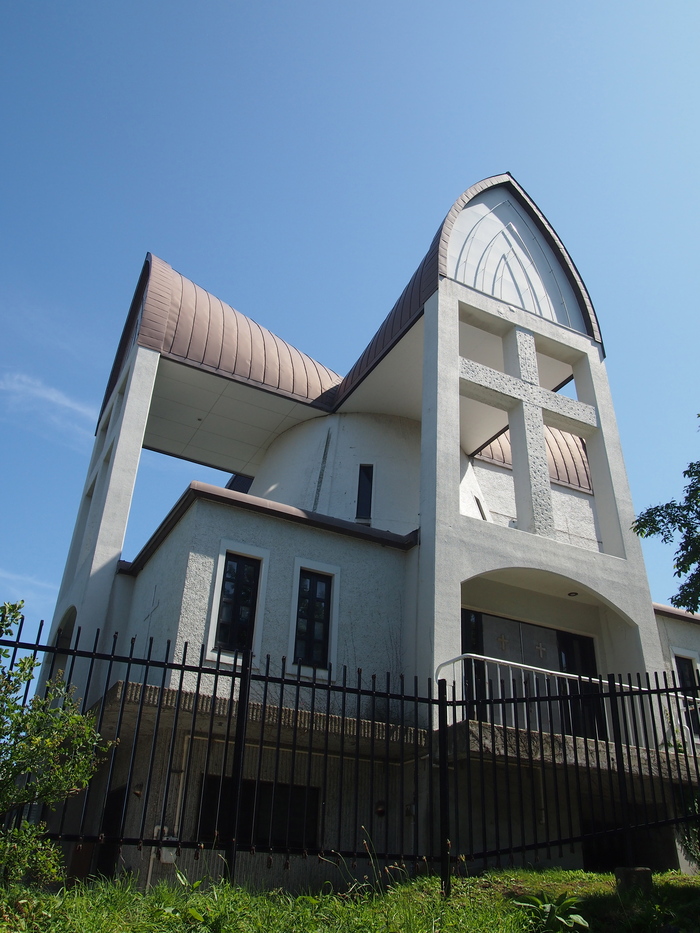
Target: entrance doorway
column 566, row 704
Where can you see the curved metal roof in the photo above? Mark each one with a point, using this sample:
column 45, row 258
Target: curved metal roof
column 433, row 267
column 566, row 457
column 185, row 323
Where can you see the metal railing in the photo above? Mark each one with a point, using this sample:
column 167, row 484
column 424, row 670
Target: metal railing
column 254, row 771
column 580, row 705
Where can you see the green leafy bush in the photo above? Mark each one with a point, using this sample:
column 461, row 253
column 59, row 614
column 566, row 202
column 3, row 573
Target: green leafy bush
column 27, row 856
column 689, row 832
column 48, row 751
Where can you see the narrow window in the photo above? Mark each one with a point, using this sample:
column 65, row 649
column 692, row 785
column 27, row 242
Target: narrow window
column 239, row 595
column 364, row 493
column 313, row 619
column 239, row 482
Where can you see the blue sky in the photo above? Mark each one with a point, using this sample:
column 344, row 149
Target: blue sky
column 295, row 159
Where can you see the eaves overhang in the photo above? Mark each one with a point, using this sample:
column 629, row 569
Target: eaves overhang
column 672, row 613
column 184, row 323
column 433, row 268
column 205, row 492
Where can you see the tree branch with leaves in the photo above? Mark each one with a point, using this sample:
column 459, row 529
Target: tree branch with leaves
column 679, row 521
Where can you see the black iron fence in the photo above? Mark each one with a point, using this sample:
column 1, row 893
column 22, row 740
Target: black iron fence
column 224, row 766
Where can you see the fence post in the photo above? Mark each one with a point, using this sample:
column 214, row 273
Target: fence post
column 444, row 789
column 238, row 752
column 616, row 698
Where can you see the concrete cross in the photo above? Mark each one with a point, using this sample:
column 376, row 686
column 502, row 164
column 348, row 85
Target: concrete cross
column 530, row 407
column 540, row 649
column 503, row 642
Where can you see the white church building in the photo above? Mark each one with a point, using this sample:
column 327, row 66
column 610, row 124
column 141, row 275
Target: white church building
column 469, row 462
column 461, row 490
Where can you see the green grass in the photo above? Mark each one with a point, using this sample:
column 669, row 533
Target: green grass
column 480, row 905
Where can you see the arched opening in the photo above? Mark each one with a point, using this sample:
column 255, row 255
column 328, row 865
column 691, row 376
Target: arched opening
column 64, row 636
column 547, row 620
column 543, row 726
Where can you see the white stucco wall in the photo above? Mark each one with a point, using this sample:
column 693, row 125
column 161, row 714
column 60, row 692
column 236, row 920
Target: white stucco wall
column 182, row 576
column 496, row 484
column 156, row 604
column 471, row 495
column 315, row 466
column 679, row 633
column 104, row 508
column 575, row 520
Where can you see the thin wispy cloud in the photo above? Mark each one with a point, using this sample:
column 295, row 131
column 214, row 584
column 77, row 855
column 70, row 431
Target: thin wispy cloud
column 39, row 595
column 26, row 391
column 24, row 580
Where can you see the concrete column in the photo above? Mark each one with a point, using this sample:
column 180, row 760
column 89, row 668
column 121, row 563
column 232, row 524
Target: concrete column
column 102, row 518
column 438, row 612
column 595, row 392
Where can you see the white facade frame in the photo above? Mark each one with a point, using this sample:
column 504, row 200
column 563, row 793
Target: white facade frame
column 693, row 656
column 689, row 653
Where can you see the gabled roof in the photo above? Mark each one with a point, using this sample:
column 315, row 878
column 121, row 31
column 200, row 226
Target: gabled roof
column 228, row 497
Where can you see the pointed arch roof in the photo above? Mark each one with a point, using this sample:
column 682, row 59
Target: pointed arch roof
column 433, row 267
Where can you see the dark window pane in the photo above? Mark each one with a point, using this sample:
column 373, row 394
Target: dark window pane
column 364, row 492
column 687, row 681
column 576, row 654
column 313, row 619
column 239, row 595
column 239, row 482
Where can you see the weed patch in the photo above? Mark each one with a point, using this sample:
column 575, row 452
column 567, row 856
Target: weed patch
column 483, row 904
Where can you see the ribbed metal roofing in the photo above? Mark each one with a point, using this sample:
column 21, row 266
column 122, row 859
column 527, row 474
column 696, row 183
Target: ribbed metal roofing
column 180, row 320
column 566, row 457
column 183, row 322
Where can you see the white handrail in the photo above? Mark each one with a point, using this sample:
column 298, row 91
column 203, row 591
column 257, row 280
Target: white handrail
column 522, row 667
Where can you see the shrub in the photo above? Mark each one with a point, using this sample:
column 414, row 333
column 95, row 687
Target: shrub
column 48, row 751
column 689, row 831
column 27, row 856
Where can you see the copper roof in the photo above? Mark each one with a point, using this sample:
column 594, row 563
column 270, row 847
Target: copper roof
column 180, row 320
column 183, row 322
column 566, row 457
